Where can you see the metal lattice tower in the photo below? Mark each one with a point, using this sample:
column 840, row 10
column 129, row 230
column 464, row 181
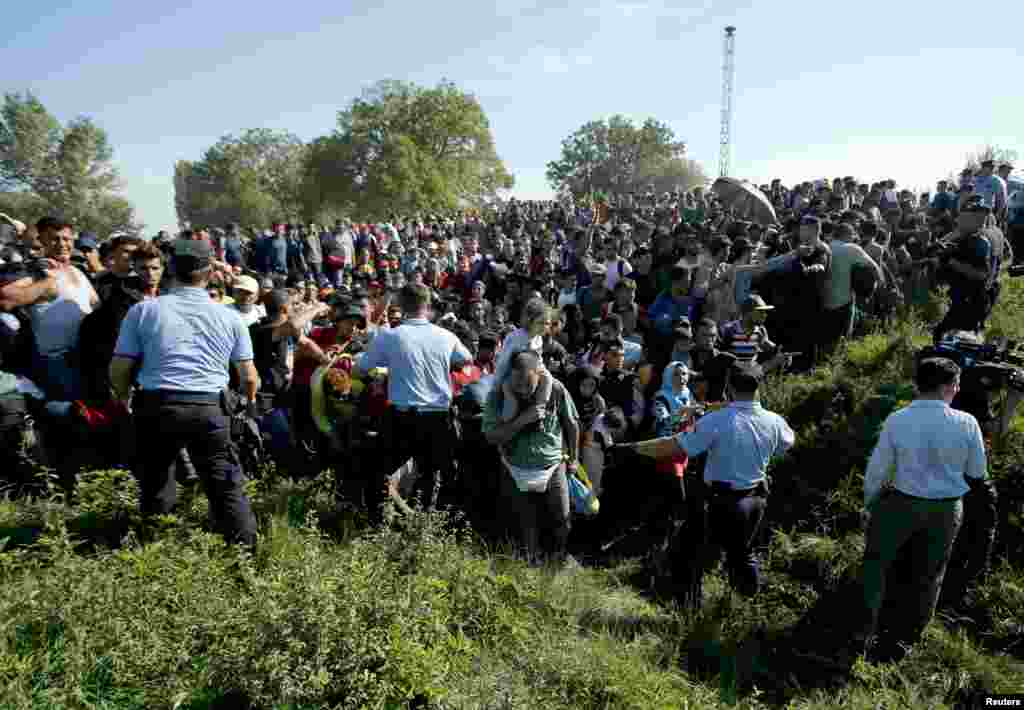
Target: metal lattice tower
column 728, row 75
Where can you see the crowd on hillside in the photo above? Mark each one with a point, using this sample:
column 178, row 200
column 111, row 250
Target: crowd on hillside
column 639, row 309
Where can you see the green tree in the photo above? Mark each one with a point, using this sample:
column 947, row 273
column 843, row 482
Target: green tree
column 253, row 178
column 972, row 161
column 401, row 147
column 618, row 156
column 989, row 152
column 65, row 168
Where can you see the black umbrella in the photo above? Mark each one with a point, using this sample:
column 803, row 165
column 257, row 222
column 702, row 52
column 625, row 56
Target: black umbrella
column 745, row 199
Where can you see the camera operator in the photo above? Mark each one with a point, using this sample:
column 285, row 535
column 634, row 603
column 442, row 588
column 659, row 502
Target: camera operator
column 970, row 266
column 928, row 457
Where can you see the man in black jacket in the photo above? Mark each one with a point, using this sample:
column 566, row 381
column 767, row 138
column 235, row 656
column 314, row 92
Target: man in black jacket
column 135, row 280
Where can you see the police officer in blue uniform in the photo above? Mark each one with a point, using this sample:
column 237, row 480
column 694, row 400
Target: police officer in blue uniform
column 420, row 357
column 178, row 348
column 739, row 440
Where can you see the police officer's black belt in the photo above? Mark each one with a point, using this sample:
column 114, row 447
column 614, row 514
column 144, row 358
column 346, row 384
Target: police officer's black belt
column 179, row 397
column 418, row 412
column 720, row 488
column 901, row 494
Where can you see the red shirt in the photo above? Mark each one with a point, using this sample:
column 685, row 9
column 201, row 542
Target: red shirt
column 466, row 376
column 324, row 337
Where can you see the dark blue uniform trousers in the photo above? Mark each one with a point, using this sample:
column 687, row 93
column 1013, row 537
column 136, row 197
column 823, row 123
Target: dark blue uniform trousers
column 734, row 520
column 167, row 422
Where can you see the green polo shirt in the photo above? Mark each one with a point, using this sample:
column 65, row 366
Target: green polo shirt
column 535, row 448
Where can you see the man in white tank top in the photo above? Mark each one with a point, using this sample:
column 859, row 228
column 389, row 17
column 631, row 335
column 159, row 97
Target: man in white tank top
column 56, row 306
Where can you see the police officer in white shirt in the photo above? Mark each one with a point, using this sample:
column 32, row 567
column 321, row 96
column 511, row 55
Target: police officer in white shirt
column 927, row 457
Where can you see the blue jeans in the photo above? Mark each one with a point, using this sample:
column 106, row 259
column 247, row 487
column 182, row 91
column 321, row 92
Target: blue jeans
column 167, row 423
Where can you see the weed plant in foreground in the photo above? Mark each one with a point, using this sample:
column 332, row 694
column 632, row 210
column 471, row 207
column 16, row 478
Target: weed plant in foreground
column 99, row 611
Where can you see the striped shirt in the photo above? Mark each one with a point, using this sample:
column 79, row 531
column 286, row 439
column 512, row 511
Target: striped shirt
column 745, row 346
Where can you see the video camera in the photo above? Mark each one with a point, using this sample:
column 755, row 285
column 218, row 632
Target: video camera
column 30, row 268
column 986, row 368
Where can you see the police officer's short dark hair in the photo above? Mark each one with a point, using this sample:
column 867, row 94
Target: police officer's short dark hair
column 414, row 297
column 934, row 372
column 745, row 378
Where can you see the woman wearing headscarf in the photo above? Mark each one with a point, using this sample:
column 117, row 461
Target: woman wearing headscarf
column 583, row 385
column 672, row 407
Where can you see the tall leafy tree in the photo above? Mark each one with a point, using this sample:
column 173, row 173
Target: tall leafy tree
column 66, row 168
column 252, row 178
column 617, row 155
column 990, row 152
column 401, row 147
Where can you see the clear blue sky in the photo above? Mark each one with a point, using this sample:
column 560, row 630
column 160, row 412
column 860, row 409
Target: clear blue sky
column 874, row 89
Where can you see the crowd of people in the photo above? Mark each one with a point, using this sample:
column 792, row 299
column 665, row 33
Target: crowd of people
column 495, row 361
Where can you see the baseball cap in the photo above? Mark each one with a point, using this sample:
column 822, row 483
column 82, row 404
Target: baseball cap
column 86, row 240
column 753, row 302
column 247, row 284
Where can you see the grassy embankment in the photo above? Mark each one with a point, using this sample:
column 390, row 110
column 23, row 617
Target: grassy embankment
column 327, row 615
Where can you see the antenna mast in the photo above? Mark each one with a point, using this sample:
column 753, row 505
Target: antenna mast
column 728, row 75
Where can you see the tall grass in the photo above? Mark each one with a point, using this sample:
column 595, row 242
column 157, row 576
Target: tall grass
column 100, row 610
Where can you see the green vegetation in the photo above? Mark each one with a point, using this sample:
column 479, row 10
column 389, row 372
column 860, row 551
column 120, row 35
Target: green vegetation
column 46, row 167
column 425, row 615
column 397, row 148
